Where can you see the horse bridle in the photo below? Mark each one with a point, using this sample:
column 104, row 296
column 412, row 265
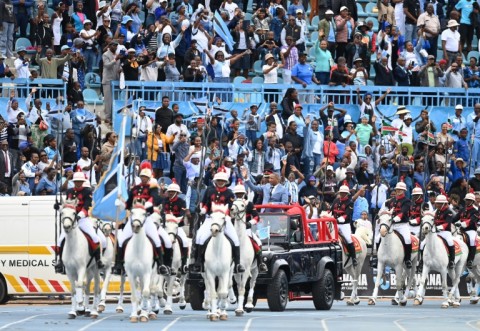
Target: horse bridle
column 432, row 226
column 388, row 227
column 174, row 234
column 222, row 227
column 73, row 220
column 240, row 213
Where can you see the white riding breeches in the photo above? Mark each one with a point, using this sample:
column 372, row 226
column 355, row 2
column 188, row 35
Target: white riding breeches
column 346, row 232
column 165, row 238
column 415, row 230
column 86, row 225
column 472, row 237
column 447, row 235
column 183, row 237
column 101, row 236
column 204, row 232
column 252, row 235
column 148, row 226
column 404, row 231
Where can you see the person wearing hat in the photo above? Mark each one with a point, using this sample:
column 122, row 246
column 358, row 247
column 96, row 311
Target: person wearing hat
column 401, row 210
column 443, row 219
column 416, row 209
column 401, row 112
column 326, row 31
column 176, row 206
column 251, row 218
column 458, row 122
column 459, row 168
column 342, row 210
column 345, row 25
column 147, row 190
column 467, row 219
column 291, row 29
column 218, row 194
column 22, row 63
column 83, row 197
column 270, row 72
column 111, row 68
column 451, row 42
column 429, row 76
column 89, row 35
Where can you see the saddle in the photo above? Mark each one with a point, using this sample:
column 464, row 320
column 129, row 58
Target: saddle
column 92, row 246
column 458, row 250
column 356, row 244
column 466, row 240
column 413, row 239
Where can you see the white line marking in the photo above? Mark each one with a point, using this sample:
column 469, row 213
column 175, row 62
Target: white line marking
column 96, row 322
column 250, row 320
column 169, row 325
column 398, row 324
column 475, row 327
column 24, row 320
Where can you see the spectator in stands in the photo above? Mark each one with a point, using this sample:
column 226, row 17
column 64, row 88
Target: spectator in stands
column 411, row 9
column 429, row 26
column 277, row 23
column 48, row 184
column 7, row 18
column 386, row 13
column 326, row 31
column 323, row 61
column 111, row 67
column 49, row 64
column 344, row 32
column 383, row 74
column 466, row 30
column 288, row 103
column 289, row 55
column 296, row 32
column 451, row 44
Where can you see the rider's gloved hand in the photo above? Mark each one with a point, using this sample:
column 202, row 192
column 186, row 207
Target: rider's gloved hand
column 413, row 222
column 397, row 219
column 341, row 219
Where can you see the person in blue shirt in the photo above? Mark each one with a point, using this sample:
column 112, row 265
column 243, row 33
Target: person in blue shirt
column 302, row 73
column 461, row 147
column 277, row 24
column 466, row 28
column 386, row 169
column 47, row 185
column 458, row 167
column 458, row 121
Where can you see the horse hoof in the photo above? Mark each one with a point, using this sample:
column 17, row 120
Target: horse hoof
column 371, row 302
column 357, row 302
column 119, row 310
column 143, row 319
column 417, row 302
column 473, row 302
column 404, row 303
column 80, row 312
column 156, row 311
column 94, row 316
column 456, row 304
column 248, row 309
column 223, row 317
column 445, row 304
column 213, row 317
column 152, row 316
column 72, row 316
column 238, row 313
column 87, row 314
column 101, row 308
column 350, row 303
column 134, row 319
column 394, row 302
column 183, row 307
column 167, row 312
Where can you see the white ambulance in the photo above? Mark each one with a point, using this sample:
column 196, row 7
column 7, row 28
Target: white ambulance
column 27, row 249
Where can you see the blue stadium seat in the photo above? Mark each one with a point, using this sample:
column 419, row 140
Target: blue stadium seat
column 93, row 80
column 360, row 11
column 91, row 97
column 369, row 9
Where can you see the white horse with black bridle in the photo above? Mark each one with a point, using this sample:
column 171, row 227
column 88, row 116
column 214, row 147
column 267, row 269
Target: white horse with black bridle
column 139, row 265
column 391, row 253
column 247, row 258
column 108, row 257
column 218, row 265
column 167, row 284
column 79, row 265
column 435, row 257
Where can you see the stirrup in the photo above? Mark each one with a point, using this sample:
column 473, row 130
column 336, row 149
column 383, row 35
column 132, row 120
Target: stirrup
column 408, row 264
column 60, row 268
column 470, row 264
column 117, row 269
column 163, row 270
column 184, row 269
column 100, row 264
column 373, row 262
column 239, row 269
column 451, row 265
column 354, row 262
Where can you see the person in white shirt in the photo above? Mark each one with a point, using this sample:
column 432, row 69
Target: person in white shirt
column 230, row 7
column 192, row 164
column 12, row 109
column 22, row 64
column 87, row 166
column 177, row 127
column 407, row 130
column 451, row 42
column 103, row 10
column 237, row 146
column 143, row 125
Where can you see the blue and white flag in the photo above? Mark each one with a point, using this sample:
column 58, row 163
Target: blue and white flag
column 263, row 233
column 222, row 31
column 112, row 185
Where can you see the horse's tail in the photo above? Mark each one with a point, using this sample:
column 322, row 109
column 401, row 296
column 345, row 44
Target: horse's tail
column 365, row 234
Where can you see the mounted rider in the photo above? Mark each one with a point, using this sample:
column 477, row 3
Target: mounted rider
column 342, row 209
column 176, row 206
column 83, row 196
column 443, row 220
column 401, row 209
column 416, row 209
column 251, row 218
column 218, row 194
column 467, row 219
column 147, row 190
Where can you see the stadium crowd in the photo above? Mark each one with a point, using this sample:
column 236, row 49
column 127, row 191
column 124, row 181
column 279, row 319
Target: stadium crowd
column 311, row 156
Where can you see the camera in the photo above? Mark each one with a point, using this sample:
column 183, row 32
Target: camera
column 123, row 52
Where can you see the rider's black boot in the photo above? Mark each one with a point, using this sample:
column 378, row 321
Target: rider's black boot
column 199, row 258
column 184, row 267
column 353, row 255
column 161, row 268
column 118, row 267
column 420, row 262
column 451, row 257
column 236, row 260
column 472, row 250
column 98, row 258
column 59, row 267
column 168, row 259
column 408, row 256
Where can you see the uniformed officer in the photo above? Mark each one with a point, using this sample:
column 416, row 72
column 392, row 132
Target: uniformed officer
column 401, row 209
column 467, row 219
column 176, row 206
column 416, row 208
column 148, row 191
column 443, row 219
column 218, row 194
column 342, row 209
column 83, row 195
column 252, row 218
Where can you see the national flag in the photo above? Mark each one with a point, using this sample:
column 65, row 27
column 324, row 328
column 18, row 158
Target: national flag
column 431, row 137
column 401, row 133
column 112, row 185
column 128, row 103
column 222, row 31
column 387, row 127
column 200, row 104
column 264, row 233
column 449, row 126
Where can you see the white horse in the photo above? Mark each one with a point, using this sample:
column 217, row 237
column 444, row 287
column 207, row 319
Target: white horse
column 247, row 257
column 435, row 257
column 364, row 237
column 139, row 264
column 107, row 259
column 391, row 252
column 79, row 265
column 218, row 264
column 169, row 283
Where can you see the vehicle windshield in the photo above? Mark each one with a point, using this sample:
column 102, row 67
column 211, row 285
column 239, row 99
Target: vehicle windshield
column 275, row 225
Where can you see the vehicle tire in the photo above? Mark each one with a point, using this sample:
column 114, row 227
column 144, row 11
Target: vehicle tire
column 3, row 291
column 196, row 296
column 323, row 291
column 277, row 292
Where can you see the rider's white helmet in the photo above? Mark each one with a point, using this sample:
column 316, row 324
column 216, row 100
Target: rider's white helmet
column 401, row 186
column 441, row 199
column 344, row 189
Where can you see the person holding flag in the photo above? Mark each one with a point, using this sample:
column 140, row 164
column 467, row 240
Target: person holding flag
column 148, row 191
